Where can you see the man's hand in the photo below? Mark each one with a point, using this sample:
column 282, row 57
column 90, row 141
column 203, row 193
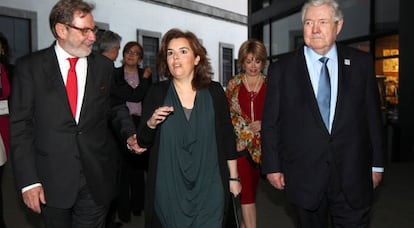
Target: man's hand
column 133, row 146
column 277, row 180
column 376, row 178
column 33, row 197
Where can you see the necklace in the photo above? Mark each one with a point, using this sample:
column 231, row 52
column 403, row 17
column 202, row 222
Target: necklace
column 259, row 78
column 253, row 93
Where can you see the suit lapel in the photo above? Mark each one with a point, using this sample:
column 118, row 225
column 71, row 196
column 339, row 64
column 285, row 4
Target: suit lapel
column 306, row 87
column 344, row 72
column 52, row 72
column 89, row 83
column 95, row 87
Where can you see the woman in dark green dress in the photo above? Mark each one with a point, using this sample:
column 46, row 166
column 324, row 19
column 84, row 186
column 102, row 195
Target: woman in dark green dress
column 190, row 139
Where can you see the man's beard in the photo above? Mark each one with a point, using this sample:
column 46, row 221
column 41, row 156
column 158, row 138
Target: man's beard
column 80, row 51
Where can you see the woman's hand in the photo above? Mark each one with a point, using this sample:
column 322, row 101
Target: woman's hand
column 230, row 85
column 159, row 115
column 255, row 126
column 147, row 72
column 235, row 187
column 240, row 147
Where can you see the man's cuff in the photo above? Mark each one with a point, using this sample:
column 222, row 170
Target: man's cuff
column 378, row 169
column 30, row 187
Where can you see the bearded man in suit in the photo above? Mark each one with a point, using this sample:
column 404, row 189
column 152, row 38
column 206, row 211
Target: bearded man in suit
column 323, row 139
column 63, row 150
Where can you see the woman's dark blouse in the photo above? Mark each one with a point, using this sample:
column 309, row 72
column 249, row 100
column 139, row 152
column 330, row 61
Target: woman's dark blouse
column 149, row 138
column 125, row 92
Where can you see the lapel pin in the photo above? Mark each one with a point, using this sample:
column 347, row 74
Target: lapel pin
column 347, row 62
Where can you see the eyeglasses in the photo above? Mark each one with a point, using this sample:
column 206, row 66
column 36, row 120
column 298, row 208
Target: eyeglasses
column 134, row 53
column 84, row 31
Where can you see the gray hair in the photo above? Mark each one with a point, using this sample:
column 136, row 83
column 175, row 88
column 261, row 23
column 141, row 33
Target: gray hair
column 107, row 41
column 337, row 12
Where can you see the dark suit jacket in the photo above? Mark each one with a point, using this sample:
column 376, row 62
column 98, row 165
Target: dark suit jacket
column 150, row 138
column 296, row 142
column 122, row 90
column 48, row 146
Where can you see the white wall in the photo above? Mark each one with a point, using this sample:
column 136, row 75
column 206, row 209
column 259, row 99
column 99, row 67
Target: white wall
column 126, row 16
column 236, row 6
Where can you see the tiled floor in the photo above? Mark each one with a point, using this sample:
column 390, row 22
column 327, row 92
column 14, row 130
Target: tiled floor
column 394, row 206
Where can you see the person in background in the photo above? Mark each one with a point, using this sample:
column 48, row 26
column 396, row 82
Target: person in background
column 6, row 70
column 109, row 44
column 131, row 84
column 187, row 128
column 322, row 136
column 62, row 148
column 245, row 93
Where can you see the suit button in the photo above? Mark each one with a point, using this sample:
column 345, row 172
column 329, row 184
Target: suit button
column 79, row 133
column 330, row 139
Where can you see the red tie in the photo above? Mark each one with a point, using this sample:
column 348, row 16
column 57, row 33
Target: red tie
column 72, row 85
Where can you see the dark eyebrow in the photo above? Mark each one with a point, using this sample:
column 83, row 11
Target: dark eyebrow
column 181, row 48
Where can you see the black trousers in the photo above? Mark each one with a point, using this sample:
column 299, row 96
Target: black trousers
column 334, row 210
column 131, row 182
column 132, row 186
column 85, row 213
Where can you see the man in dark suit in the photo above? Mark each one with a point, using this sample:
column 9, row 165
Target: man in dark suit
column 63, row 151
column 327, row 157
column 108, row 44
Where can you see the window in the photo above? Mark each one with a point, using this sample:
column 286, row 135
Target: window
column 150, row 41
column 226, row 63
column 20, row 28
column 387, row 65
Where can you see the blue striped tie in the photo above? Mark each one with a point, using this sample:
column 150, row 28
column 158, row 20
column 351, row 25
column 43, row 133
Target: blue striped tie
column 324, row 92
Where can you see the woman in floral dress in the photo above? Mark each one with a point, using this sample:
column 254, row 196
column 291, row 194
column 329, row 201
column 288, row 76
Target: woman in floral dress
column 245, row 93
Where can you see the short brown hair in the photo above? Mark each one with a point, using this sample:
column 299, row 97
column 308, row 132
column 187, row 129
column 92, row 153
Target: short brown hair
column 202, row 72
column 255, row 47
column 64, row 10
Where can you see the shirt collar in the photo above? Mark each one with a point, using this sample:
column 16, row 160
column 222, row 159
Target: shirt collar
column 313, row 56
